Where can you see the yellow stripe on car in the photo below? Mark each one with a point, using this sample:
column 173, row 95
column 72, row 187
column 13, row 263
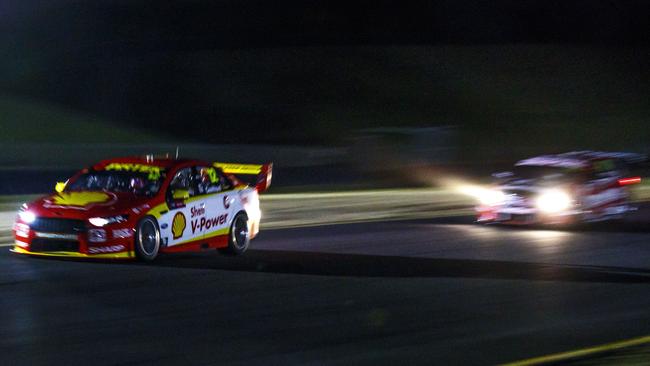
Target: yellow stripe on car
column 234, row 168
column 153, row 172
column 199, row 238
column 156, row 211
column 217, row 233
column 121, row 255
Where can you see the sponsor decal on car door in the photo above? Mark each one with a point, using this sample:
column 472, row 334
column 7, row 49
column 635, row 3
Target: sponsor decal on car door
column 178, row 225
column 219, row 210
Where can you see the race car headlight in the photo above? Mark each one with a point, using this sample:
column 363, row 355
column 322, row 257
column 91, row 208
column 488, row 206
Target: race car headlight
column 27, row 216
column 491, row 197
column 101, row 221
column 553, row 201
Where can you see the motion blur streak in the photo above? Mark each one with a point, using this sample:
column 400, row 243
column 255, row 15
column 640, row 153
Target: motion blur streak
column 312, row 209
column 485, row 196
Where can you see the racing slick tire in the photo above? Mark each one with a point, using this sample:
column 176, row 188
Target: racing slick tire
column 147, row 239
column 239, row 236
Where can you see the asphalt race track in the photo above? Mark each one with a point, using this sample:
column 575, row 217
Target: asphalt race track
column 438, row 291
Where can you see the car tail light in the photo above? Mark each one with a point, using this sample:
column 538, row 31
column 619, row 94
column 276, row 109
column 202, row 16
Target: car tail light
column 628, row 181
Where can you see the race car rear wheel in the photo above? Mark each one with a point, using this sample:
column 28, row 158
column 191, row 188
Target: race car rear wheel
column 147, row 239
column 239, row 236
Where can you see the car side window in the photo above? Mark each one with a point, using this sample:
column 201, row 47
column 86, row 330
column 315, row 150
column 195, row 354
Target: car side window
column 183, row 179
column 606, row 170
column 210, row 180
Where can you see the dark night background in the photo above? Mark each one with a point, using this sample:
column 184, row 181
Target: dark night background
column 348, row 98
column 300, row 72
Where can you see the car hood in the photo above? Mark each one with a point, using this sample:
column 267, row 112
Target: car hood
column 86, row 204
column 531, row 187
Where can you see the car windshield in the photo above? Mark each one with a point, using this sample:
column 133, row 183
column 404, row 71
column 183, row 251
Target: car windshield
column 117, row 181
column 544, row 172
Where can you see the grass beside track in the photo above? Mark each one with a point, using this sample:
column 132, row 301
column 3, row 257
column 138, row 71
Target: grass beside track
column 22, row 116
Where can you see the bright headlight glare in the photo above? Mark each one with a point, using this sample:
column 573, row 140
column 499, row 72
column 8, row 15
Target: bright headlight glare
column 491, row 197
column 98, row 221
column 27, row 217
column 553, row 201
column 101, row 221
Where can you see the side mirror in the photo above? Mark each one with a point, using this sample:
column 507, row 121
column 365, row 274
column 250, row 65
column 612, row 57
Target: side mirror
column 59, row 187
column 181, row 194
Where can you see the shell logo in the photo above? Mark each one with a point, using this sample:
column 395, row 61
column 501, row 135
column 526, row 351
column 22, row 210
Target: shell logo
column 178, row 225
column 79, row 199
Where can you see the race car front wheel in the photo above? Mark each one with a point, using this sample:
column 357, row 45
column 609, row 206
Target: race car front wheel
column 239, row 236
column 147, row 239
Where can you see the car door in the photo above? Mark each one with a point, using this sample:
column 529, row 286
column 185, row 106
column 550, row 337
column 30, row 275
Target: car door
column 605, row 195
column 185, row 208
column 220, row 202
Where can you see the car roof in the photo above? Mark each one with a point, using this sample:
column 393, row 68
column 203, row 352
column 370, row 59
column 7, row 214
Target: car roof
column 580, row 159
column 164, row 162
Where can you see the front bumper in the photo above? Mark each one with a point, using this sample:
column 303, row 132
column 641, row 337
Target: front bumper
column 120, row 255
column 527, row 216
column 58, row 240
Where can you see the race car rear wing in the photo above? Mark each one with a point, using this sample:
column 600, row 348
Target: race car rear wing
column 263, row 173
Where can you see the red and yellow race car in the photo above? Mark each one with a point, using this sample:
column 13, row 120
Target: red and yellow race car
column 139, row 207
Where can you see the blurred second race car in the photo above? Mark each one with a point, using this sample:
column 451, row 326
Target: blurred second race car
column 581, row 186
